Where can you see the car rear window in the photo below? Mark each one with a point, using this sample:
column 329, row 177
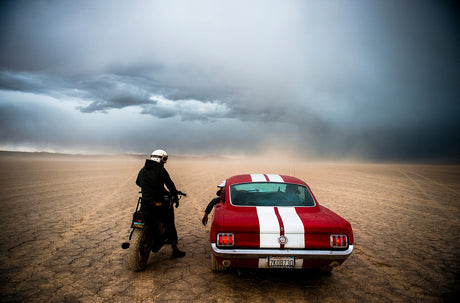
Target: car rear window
column 270, row 194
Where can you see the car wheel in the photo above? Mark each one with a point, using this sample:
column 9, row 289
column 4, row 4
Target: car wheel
column 215, row 266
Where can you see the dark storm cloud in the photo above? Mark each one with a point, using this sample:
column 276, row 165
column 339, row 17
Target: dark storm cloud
column 18, row 81
column 377, row 79
column 113, row 91
column 102, row 91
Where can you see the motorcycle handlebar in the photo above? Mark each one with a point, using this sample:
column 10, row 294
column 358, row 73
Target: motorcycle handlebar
column 178, row 192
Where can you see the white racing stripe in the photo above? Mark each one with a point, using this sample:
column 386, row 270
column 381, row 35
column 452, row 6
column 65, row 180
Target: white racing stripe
column 275, row 178
column 271, row 178
column 269, row 227
column 293, row 227
column 258, row 178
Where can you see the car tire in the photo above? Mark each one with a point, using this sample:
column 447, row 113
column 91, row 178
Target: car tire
column 215, row 266
column 326, row 269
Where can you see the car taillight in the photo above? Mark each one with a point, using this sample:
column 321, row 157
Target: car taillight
column 339, row 241
column 225, row 239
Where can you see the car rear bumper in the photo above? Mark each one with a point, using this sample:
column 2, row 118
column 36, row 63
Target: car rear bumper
column 298, row 253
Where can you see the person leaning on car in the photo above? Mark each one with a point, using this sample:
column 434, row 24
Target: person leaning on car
column 152, row 179
column 213, row 203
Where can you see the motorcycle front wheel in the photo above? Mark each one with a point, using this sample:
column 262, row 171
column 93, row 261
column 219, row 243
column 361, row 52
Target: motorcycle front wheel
column 139, row 250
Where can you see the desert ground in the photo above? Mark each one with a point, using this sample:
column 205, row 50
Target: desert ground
column 63, row 219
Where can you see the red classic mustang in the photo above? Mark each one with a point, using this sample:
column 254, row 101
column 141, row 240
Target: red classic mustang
column 274, row 221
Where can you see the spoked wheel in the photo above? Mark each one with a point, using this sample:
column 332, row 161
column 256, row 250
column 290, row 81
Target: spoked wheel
column 139, row 251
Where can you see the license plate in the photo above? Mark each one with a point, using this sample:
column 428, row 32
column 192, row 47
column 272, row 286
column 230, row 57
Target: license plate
column 281, row 262
column 138, row 224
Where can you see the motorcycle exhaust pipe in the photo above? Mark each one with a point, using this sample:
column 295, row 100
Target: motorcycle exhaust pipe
column 125, row 245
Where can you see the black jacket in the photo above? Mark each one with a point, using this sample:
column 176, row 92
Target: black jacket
column 152, row 178
column 211, row 205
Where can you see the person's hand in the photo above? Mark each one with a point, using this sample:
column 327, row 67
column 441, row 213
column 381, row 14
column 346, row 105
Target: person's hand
column 176, row 201
column 205, row 219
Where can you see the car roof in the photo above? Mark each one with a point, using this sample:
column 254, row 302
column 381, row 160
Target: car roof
column 249, row 178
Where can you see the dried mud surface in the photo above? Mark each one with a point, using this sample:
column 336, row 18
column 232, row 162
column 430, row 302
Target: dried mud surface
column 63, row 219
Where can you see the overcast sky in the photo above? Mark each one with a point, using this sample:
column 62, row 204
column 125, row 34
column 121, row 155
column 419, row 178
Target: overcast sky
column 378, row 80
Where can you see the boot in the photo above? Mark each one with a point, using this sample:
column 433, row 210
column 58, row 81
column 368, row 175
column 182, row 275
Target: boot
column 176, row 253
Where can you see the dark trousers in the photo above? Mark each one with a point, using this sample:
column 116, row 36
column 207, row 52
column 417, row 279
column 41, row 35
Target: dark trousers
column 153, row 215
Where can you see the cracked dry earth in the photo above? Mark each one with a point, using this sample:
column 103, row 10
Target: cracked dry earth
column 63, row 219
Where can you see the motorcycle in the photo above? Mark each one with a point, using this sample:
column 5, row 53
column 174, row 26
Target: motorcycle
column 149, row 231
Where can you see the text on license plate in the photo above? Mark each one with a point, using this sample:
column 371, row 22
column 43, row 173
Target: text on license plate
column 138, row 224
column 281, row 262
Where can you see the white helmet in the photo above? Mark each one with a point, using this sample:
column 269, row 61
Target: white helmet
column 158, row 155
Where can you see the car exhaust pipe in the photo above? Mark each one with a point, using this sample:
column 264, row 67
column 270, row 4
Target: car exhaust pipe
column 226, row 263
column 334, row 264
column 125, row 245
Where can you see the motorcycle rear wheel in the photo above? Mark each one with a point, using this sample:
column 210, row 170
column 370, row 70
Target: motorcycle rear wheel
column 139, row 251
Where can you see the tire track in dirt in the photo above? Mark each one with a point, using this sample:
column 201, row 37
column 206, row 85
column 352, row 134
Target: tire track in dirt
column 437, row 183
column 434, row 202
column 419, row 233
column 413, row 211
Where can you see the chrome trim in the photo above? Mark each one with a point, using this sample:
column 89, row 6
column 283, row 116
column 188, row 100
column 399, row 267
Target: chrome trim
column 301, row 253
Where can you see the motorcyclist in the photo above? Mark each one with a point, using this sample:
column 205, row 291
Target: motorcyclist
column 152, row 179
column 213, row 203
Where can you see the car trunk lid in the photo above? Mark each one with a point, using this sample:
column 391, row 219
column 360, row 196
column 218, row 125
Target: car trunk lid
column 281, row 227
